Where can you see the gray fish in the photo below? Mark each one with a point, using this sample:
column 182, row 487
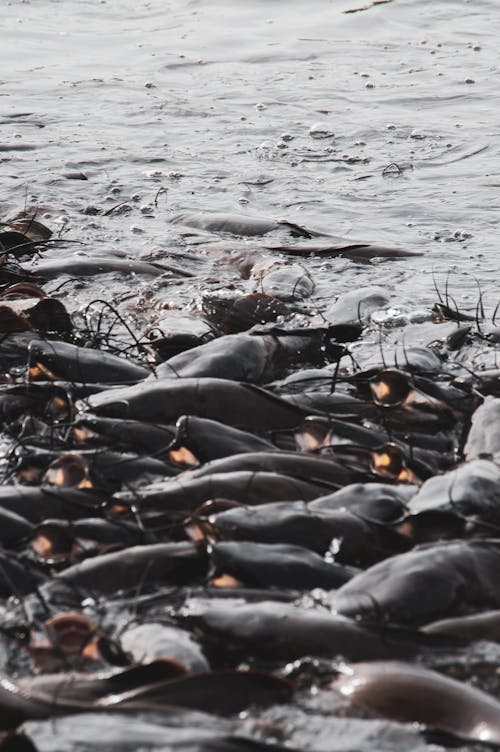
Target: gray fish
column 413, row 694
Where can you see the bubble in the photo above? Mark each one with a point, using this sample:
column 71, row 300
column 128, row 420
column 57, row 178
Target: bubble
column 320, row 130
column 391, row 317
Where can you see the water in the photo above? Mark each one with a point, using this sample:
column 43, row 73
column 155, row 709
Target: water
column 213, row 103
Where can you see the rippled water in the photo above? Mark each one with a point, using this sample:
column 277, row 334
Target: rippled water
column 213, row 102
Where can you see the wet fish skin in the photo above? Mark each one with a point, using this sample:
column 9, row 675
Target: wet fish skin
column 209, row 439
column 35, row 503
column 283, row 632
column 180, row 495
column 82, row 266
column 277, row 565
column 360, row 543
column 144, row 688
column 236, row 404
column 483, row 440
column 307, row 467
column 413, row 694
column 67, row 361
column 150, row 640
column 146, row 565
column 431, row 582
column 238, row 357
